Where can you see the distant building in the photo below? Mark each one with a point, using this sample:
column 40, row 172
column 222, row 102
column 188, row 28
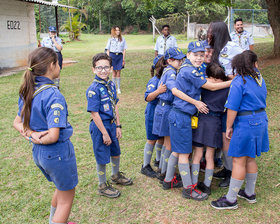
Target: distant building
column 18, row 31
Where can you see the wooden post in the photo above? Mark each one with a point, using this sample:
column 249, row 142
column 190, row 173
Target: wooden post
column 188, row 26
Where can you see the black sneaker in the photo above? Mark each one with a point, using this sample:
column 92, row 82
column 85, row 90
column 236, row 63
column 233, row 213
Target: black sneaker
column 221, row 174
column 174, row 183
column 156, row 163
column 225, row 183
column 198, row 196
column 251, row 199
column 148, row 171
column 161, row 177
column 201, row 186
column 223, row 203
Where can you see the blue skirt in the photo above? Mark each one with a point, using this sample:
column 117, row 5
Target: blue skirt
column 161, row 126
column 250, row 136
column 180, row 132
column 209, row 130
column 117, row 61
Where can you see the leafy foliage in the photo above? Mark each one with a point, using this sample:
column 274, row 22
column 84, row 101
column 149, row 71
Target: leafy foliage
column 75, row 32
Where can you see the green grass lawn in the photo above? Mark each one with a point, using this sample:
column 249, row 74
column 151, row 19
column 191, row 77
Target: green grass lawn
column 26, row 194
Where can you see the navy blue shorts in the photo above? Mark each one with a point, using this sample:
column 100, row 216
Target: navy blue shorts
column 58, row 163
column 101, row 151
column 117, row 61
column 60, row 59
column 161, row 126
column 224, row 122
column 180, row 132
column 149, row 129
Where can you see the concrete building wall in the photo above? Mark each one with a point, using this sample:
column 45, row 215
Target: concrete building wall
column 17, row 33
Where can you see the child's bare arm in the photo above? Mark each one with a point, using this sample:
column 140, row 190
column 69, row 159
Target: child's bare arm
column 216, row 86
column 119, row 130
column 98, row 122
column 153, row 95
column 231, row 115
column 202, row 107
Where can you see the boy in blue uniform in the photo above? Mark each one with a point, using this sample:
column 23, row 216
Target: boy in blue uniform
column 188, row 82
column 105, row 128
column 246, row 127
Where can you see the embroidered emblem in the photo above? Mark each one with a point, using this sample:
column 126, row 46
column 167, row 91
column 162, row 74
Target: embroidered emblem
column 57, row 105
column 149, row 152
column 210, row 178
column 91, row 93
column 101, row 173
column 173, row 76
column 195, row 172
column 106, row 107
column 56, row 120
column 166, row 160
column 56, row 113
column 113, row 164
column 224, row 55
column 236, row 189
column 202, row 77
column 184, row 173
column 158, row 149
column 198, row 44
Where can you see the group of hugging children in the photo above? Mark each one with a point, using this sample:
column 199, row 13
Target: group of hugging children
column 183, row 94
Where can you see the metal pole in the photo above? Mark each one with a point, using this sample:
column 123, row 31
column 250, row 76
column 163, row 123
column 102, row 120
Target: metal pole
column 56, row 20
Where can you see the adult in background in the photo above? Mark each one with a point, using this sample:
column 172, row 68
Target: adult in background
column 55, row 43
column 242, row 37
column 165, row 41
column 116, row 48
column 224, row 51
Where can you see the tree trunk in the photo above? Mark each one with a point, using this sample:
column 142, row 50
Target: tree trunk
column 100, row 25
column 274, row 19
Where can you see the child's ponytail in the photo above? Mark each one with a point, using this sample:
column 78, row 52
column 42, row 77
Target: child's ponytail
column 161, row 64
column 39, row 61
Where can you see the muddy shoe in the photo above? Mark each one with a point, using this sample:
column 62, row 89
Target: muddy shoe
column 107, row 190
column 192, row 193
column 119, row 178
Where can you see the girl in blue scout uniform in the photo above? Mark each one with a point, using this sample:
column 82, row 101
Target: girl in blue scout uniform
column 224, row 51
column 189, row 82
column 207, row 58
column 116, row 49
column 42, row 119
column 209, row 131
column 246, row 127
column 105, row 128
column 173, row 58
column 152, row 91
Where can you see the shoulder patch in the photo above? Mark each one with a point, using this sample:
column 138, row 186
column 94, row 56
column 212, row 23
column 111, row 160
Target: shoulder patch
column 224, row 55
column 91, row 93
column 173, row 76
column 57, row 105
column 151, row 86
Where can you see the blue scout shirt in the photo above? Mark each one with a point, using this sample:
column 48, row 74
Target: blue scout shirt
column 202, row 70
column 47, row 42
column 230, row 50
column 116, row 46
column 99, row 99
column 48, row 110
column 244, row 39
column 163, row 43
column 189, row 81
column 250, row 96
column 169, row 79
column 151, row 87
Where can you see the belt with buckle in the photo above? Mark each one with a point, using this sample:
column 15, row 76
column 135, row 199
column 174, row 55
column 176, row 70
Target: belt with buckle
column 244, row 113
column 164, row 102
column 106, row 121
column 116, row 53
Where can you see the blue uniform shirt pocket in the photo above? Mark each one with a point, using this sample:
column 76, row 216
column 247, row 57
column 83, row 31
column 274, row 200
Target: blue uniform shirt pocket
column 50, row 155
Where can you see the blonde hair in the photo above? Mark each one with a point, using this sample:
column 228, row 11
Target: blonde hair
column 113, row 33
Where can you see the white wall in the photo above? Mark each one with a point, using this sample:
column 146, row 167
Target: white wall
column 17, row 33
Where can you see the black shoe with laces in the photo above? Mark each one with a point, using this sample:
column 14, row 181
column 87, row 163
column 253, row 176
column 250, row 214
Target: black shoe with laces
column 198, row 196
column 201, row 186
column 148, row 171
column 225, row 183
column 156, row 163
column 251, row 199
column 174, row 183
column 223, row 203
column 220, row 174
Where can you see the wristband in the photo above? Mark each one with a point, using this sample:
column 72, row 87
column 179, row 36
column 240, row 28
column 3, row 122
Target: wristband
column 118, row 126
column 30, row 140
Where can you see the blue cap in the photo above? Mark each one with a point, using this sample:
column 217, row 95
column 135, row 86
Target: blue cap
column 156, row 61
column 205, row 44
column 174, row 52
column 195, row 46
column 52, row 29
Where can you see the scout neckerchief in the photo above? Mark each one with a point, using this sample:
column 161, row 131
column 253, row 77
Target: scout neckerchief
column 259, row 78
column 111, row 96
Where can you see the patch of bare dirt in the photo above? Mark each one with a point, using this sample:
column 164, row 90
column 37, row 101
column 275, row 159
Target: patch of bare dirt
column 268, row 61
